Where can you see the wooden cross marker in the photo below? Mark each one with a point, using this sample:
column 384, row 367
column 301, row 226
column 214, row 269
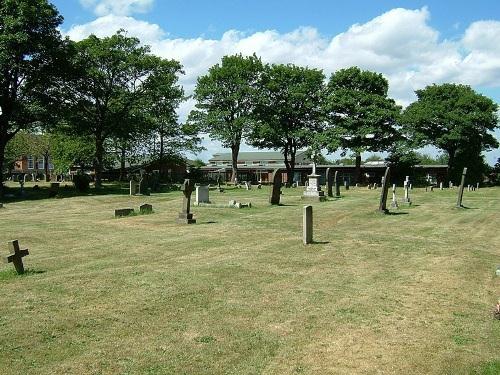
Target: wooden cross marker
column 16, row 256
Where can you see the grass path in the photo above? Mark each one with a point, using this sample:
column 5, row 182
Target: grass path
column 238, row 293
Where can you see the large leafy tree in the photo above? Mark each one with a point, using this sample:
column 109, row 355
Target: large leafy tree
column 288, row 113
column 168, row 137
column 108, row 95
column 361, row 116
column 31, row 54
column 455, row 119
column 225, row 102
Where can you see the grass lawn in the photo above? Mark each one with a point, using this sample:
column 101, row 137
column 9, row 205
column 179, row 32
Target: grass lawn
column 238, row 292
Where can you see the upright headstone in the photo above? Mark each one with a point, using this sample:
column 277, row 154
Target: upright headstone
column 313, row 190
column 186, row 217
column 16, row 256
column 54, row 189
column 146, row 209
column 407, row 190
column 307, row 223
column 346, row 184
column 477, row 186
column 394, row 203
column 133, row 187
column 274, row 197
column 329, row 182
column 385, row 189
column 461, row 189
column 337, row 185
column 122, row 212
column 202, row 194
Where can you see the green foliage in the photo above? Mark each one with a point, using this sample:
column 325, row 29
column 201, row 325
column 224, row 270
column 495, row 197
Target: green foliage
column 288, row 113
column 361, row 116
column 455, row 119
column 68, row 151
column 31, row 55
column 374, row 157
column 115, row 81
column 226, row 101
column 197, row 163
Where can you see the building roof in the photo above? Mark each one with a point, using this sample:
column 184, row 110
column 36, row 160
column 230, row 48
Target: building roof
column 254, row 156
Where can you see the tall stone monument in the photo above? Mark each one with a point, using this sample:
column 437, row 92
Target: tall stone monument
column 329, row 182
column 461, row 189
column 383, row 194
column 337, row 185
column 186, row 217
column 274, row 197
column 313, row 190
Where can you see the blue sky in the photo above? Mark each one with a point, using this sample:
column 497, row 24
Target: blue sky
column 413, row 43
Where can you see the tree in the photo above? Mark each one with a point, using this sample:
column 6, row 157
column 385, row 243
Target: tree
column 361, row 115
column 169, row 137
column 288, row 111
column 31, row 54
column 455, row 119
column 225, row 102
column 68, row 151
column 108, row 96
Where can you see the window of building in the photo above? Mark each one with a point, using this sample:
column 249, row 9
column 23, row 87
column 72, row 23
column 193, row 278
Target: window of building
column 41, row 163
column 31, row 162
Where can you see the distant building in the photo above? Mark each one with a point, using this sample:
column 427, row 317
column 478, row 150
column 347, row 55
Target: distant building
column 258, row 167
column 252, row 166
column 30, row 164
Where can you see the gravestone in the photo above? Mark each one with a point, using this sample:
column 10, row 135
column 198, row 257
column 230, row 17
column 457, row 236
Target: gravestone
column 133, row 187
column 121, row 212
column 248, row 185
column 346, row 184
column 313, row 190
column 54, row 189
column 16, row 256
column 337, row 184
column 274, row 197
column 394, row 203
column 307, row 224
column 146, row 209
column 202, row 194
column 407, row 190
column 329, row 182
column 186, row 217
column 375, row 186
column 477, row 186
column 441, row 186
column 385, row 189
column 461, row 189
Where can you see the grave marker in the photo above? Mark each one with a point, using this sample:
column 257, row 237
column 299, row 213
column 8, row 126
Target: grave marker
column 383, row 195
column 202, row 194
column 394, row 203
column 337, row 185
column 146, row 209
column 274, row 197
column 186, row 217
column 16, row 256
column 329, row 182
column 307, row 223
column 121, row 212
column 461, row 189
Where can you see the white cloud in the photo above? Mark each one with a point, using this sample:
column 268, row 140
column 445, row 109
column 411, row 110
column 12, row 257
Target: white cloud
column 110, row 24
column 118, row 7
column 399, row 44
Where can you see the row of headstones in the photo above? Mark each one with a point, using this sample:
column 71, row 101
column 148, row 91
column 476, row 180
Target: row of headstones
column 143, row 209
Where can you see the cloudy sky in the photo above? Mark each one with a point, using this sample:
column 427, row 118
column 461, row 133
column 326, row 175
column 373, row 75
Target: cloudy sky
column 413, row 43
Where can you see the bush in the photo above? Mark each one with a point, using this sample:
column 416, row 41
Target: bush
column 81, row 182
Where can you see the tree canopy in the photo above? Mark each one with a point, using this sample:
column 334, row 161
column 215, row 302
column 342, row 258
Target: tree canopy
column 455, row 119
column 31, row 54
column 288, row 110
column 361, row 117
column 226, row 101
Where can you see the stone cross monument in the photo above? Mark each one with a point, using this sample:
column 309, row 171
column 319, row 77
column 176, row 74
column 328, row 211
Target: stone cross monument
column 186, row 217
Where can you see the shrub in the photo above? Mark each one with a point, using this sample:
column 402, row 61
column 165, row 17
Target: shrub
column 81, row 182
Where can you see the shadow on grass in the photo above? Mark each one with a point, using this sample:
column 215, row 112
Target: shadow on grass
column 207, row 222
column 12, row 274
column 466, row 208
column 13, row 194
column 396, row 213
column 320, row 243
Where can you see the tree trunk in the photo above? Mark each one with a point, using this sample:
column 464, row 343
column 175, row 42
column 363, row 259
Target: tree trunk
column 46, row 167
column 122, row 164
column 235, row 150
column 357, row 170
column 451, row 163
column 2, row 160
column 289, row 151
column 99, row 155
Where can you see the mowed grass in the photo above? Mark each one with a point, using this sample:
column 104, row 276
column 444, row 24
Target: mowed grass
column 238, row 293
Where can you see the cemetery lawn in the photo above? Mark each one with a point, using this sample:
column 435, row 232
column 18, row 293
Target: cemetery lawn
column 238, row 292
